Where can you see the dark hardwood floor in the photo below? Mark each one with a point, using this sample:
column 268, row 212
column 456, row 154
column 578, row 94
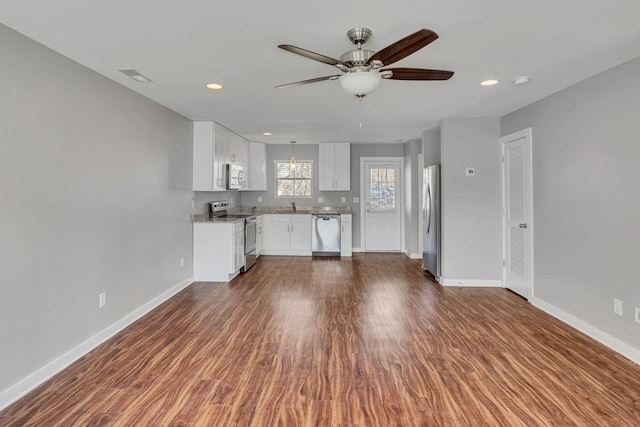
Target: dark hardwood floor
column 368, row 341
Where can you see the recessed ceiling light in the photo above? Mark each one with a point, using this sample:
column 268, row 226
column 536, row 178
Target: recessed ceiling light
column 522, row 80
column 214, row 86
column 489, row 82
column 266, row 133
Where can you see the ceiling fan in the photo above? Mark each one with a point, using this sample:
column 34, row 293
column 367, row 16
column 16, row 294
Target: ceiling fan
column 362, row 68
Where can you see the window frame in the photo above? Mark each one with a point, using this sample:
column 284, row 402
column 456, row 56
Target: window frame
column 276, row 179
column 386, row 188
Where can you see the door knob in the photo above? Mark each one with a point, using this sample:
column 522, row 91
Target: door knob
column 523, row 226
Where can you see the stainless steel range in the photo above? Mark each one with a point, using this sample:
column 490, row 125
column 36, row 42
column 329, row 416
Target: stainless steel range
column 218, row 209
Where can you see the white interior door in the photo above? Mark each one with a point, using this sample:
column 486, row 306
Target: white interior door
column 382, row 199
column 516, row 212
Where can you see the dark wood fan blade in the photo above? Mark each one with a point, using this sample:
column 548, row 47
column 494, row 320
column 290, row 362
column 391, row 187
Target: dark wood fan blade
column 405, row 47
column 304, row 82
column 418, row 74
column 309, row 54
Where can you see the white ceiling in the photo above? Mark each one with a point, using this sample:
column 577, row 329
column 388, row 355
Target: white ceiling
column 181, row 45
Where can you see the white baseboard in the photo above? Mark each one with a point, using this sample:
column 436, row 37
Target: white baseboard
column 413, row 256
column 613, row 343
column 24, row 386
column 471, row 283
column 356, row 250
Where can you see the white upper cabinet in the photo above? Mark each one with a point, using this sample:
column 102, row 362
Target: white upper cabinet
column 257, row 174
column 209, row 148
column 221, row 140
column 334, row 167
column 235, row 148
column 213, row 147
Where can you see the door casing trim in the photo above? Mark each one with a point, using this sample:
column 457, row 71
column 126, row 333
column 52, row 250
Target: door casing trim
column 524, row 133
column 363, row 160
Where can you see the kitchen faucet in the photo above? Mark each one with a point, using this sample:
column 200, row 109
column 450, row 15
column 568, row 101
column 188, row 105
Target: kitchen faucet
column 293, row 205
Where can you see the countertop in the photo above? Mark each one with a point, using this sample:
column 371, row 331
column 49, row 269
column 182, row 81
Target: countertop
column 206, row 218
column 300, row 210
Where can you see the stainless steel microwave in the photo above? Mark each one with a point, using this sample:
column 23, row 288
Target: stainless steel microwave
column 234, row 177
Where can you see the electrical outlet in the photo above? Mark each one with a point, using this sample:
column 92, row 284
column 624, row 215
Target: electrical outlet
column 193, row 204
column 356, row 200
column 259, row 199
column 320, row 199
column 617, row 307
column 344, row 200
column 102, row 299
column 181, row 261
column 637, row 314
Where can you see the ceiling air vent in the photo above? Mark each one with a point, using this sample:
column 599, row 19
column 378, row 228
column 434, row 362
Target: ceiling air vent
column 135, row 75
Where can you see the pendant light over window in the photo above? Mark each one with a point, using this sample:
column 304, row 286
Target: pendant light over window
column 292, row 159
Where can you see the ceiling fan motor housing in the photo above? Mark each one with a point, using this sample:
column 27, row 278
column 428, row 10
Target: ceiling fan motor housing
column 356, row 57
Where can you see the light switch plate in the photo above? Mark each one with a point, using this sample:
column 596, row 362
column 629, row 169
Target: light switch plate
column 356, row 200
column 617, row 307
column 344, row 200
column 259, row 199
column 320, row 199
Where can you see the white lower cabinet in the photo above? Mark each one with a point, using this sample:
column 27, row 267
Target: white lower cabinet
column 346, row 235
column 286, row 234
column 218, row 250
column 259, row 235
column 238, row 249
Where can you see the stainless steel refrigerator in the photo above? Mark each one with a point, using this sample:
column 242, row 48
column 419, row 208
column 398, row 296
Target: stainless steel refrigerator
column 431, row 259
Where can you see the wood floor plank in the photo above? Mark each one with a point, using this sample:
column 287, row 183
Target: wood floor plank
column 362, row 341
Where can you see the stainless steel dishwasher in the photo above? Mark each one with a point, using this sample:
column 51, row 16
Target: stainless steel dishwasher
column 325, row 237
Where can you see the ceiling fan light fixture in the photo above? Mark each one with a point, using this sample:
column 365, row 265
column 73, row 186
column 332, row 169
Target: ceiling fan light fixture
column 360, row 83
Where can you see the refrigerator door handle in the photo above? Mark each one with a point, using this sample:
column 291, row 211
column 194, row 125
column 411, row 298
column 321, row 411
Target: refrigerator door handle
column 428, row 209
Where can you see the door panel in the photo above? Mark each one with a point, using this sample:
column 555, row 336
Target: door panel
column 516, row 196
column 382, row 219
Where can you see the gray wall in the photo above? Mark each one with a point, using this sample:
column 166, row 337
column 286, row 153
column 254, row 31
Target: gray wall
column 95, row 196
column 331, row 198
column 431, row 146
column 586, row 146
column 412, row 174
column 471, row 221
